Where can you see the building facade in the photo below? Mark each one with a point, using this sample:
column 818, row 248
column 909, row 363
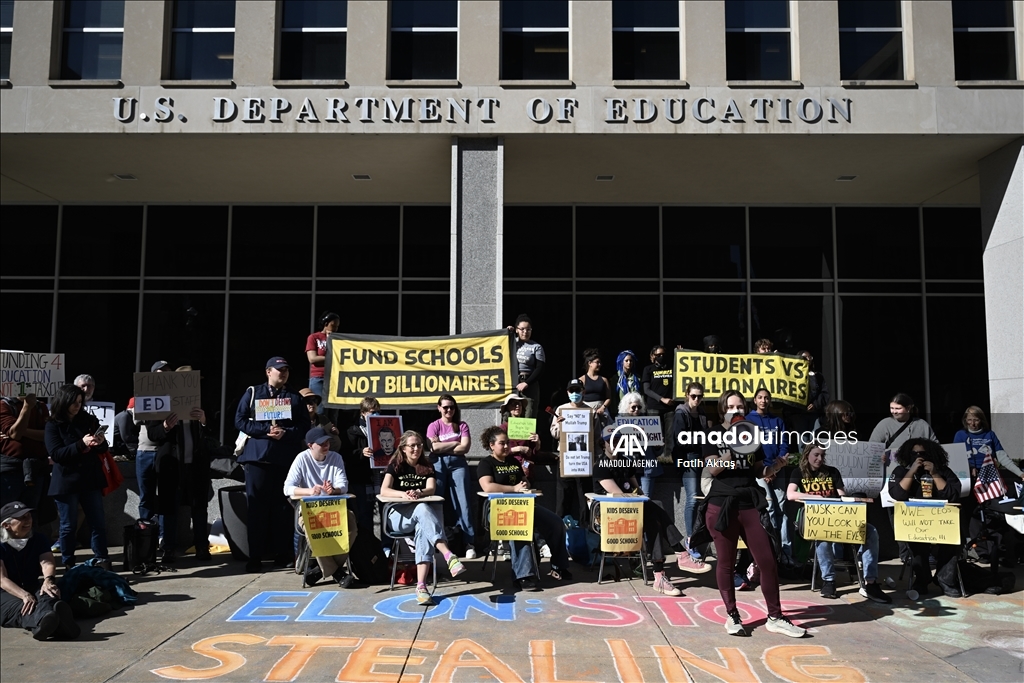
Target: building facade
column 196, row 181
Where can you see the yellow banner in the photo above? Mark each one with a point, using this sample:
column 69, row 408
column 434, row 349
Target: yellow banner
column 835, row 521
column 412, row 372
column 326, row 521
column 511, row 518
column 784, row 376
column 927, row 523
column 622, row 526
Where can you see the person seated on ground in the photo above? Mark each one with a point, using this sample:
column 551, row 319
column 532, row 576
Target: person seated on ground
column 923, row 472
column 614, row 475
column 24, row 603
column 814, row 479
column 319, row 471
column 499, row 472
column 410, row 476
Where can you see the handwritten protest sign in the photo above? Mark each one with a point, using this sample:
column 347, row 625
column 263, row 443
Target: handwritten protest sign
column 385, row 431
column 835, row 521
column 622, row 524
column 273, row 409
column 326, row 519
column 179, row 393
column 651, row 424
column 511, row 516
column 860, row 463
column 784, row 376
column 920, row 522
column 409, row 372
column 23, row 373
column 104, row 412
column 520, row 428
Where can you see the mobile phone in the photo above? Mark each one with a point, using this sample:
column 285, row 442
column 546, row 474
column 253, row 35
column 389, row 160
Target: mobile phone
column 99, row 433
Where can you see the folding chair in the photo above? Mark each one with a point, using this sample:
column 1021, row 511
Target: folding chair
column 838, row 563
column 595, row 526
column 304, row 554
column 492, row 548
column 403, row 542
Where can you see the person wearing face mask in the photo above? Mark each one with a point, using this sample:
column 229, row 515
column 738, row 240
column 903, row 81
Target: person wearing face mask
column 362, row 480
column 24, row 601
column 575, row 500
column 690, row 419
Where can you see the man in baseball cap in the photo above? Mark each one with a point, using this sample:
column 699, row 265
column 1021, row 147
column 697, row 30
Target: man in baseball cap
column 278, row 363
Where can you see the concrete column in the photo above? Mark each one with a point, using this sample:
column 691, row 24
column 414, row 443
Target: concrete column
column 367, row 59
column 141, row 63
column 1001, row 176
column 31, row 43
column 477, row 201
column 254, row 42
column 479, row 41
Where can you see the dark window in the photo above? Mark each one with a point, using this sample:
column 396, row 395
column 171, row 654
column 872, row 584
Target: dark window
column 967, row 351
column 702, row 242
column 97, row 331
column 186, row 240
column 983, row 40
column 594, row 331
column 878, row 244
column 272, row 242
column 356, row 241
column 597, row 257
column 203, row 40
column 93, row 33
column 106, row 235
column 757, row 40
column 534, row 39
column 426, row 315
column 427, row 243
column 424, row 39
column 870, row 40
column 313, row 39
column 364, row 313
column 6, row 31
column 523, row 225
column 796, row 323
column 793, row 244
column 29, row 320
column 688, row 319
column 645, row 40
column 952, row 244
column 29, row 238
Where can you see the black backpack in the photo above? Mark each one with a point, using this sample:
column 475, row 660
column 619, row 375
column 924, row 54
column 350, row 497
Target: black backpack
column 369, row 563
column 140, row 546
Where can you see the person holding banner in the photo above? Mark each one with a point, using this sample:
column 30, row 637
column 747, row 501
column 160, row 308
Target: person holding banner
column 812, row 480
column 501, row 473
column 449, row 443
column 319, row 471
column 530, row 356
column 923, row 472
column 657, row 386
column 411, row 476
column 316, row 352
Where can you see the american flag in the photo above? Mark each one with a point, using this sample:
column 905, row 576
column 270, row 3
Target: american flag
column 989, row 484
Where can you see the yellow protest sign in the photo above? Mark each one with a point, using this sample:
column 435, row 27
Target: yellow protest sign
column 784, row 376
column 927, row 523
column 834, row 521
column 326, row 520
column 411, row 372
column 622, row 525
column 511, row 517
column 520, row 428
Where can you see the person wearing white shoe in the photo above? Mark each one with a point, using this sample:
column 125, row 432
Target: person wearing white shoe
column 471, row 554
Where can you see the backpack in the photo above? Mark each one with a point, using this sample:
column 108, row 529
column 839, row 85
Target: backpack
column 140, row 546
column 369, row 563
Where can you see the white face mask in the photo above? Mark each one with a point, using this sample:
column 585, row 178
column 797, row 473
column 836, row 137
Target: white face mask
column 17, row 543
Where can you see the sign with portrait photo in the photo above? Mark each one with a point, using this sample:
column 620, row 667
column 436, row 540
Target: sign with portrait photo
column 384, row 432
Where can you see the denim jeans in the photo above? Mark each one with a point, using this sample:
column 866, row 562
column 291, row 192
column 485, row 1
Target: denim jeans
column 67, row 508
column 691, row 487
column 775, row 491
column 316, row 385
column 827, row 552
column 423, row 520
column 453, row 478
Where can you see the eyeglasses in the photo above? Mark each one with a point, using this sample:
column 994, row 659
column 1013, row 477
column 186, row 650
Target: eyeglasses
column 635, row 408
column 696, row 396
column 447, row 408
column 525, row 329
column 414, row 445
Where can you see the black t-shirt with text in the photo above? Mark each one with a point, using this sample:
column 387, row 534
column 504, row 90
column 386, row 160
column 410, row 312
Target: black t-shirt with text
column 660, row 381
column 508, row 473
column 407, row 480
column 826, row 482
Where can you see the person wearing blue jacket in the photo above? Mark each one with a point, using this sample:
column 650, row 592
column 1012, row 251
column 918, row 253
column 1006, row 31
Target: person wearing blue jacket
column 774, row 445
column 268, row 453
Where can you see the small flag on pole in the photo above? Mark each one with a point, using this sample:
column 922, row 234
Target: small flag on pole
column 989, row 485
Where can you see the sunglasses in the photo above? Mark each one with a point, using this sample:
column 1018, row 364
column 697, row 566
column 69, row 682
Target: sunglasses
column 447, row 408
column 696, row 396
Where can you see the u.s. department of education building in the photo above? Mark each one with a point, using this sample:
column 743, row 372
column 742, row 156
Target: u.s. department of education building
column 196, row 181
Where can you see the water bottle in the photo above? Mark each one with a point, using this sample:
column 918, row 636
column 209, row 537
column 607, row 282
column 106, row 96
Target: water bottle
column 927, row 484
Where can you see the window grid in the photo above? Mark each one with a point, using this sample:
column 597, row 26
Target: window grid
column 82, row 51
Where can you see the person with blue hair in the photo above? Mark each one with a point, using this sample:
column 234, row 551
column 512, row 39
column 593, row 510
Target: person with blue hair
column 625, row 370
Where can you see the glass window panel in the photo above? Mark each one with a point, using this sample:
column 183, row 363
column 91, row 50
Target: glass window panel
column 871, row 56
column 757, row 56
column 796, row 323
column 426, row 242
column 878, row 243
column 522, row 257
column 272, row 241
column 953, row 244
column 91, row 56
column 5, row 56
column 186, row 240
column 424, row 55
column 534, row 14
column 870, row 14
column 967, row 351
column 890, row 363
column 94, row 14
column 312, row 55
column 551, row 319
column 982, row 14
column 363, row 313
column 594, row 331
column 6, row 13
column 424, row 13
column 204, row 14
column 688, row 319
column 756, row 14
column 790, row 243
column 425, row 315
column 645, row 55
column 188, row 329
column 98, row 241
column 984, row 56
column 645, row 14
column 314, row 13
column 718, row 234
column 103, row 350
column 29, row 237
column 202, row 56
column 534, row 55
column 350, row 230
column 597, row 257
column 34, row 315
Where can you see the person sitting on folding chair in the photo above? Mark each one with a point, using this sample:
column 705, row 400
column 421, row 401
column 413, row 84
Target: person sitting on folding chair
column 501, row 473
column 814, row 479
column 319, row 471
column 923, row 472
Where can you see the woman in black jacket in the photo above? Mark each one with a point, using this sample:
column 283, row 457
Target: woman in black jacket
column 78, row 479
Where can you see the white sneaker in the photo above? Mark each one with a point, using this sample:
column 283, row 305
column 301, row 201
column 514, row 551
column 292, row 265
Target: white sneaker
column 734, row 625
column 471, row 554
column 545, row 551
column 785, row 627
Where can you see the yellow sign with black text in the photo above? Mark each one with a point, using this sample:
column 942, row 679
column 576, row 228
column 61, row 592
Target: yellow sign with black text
column 412, row 372
column 835, row 521
column 785, row 377
column 622, row 525
column 927, row 523
column 326, row 520
column 511, row 517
